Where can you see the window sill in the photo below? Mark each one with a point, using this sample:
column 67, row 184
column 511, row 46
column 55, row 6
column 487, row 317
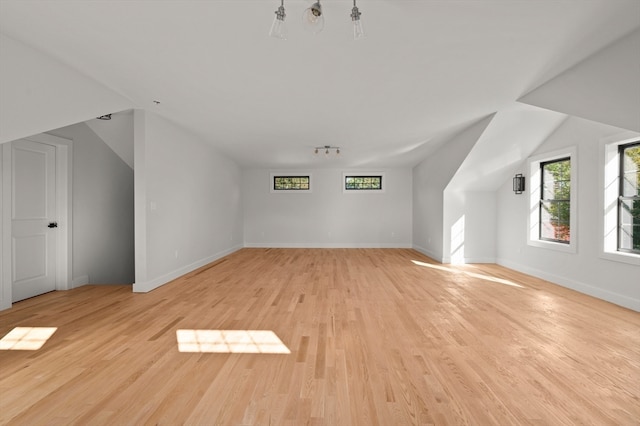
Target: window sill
column 630, row 258
column 550, row 245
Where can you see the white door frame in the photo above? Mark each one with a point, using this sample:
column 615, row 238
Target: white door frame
column 64, row 173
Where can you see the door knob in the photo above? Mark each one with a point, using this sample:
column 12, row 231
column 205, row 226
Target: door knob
column 53, row 225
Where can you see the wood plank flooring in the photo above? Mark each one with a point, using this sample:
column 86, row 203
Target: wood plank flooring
column 377, row 337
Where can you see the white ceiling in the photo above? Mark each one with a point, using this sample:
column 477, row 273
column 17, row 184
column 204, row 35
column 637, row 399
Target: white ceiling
column 425, row 70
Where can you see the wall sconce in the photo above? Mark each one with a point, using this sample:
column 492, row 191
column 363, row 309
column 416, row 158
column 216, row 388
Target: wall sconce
column 518, row 184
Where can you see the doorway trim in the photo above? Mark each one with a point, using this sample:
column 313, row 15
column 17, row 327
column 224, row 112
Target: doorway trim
column 64, row 203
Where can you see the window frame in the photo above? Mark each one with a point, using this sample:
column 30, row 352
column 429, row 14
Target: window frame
column 622, row 197
column 543, row 200
column 346, row 175
column 534, row 194
column 609, row 172
column 274, row 175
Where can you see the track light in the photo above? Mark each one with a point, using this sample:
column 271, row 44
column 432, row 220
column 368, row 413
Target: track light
column 327, row 149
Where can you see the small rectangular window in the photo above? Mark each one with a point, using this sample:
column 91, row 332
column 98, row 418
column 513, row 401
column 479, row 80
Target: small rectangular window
column 291, row 183
column 555, row 201
column 629, row 198
column 362, row 183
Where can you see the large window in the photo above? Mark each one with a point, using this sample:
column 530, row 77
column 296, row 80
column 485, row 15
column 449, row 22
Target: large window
column 619, row 194
column 629, row 198
column 555, row 201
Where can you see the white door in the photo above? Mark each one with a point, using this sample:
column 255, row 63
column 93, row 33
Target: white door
column 33, row 221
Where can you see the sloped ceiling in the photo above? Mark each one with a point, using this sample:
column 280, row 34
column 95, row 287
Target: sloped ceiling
column 605, row 87
column 512, row 135
column 424, row 69
column 117, row 133
column 39, row 93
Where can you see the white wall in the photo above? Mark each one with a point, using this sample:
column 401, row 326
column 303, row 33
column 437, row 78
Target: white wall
column 102, row 210
column 430, row 179
column 188, row 203
column 585, row 270
column 5, row 290
column 327, row 217
column 40, row 93
column 469, row 226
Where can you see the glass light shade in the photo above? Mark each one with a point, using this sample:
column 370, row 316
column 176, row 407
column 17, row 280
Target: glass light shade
column 358, row 32
column 313, row 18
column 278, row 29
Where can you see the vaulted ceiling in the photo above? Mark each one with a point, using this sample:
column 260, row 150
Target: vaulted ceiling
column 425, row 70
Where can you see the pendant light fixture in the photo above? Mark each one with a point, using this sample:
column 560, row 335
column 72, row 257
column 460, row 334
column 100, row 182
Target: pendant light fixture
column 358, row 33
column 313, row 19
column 278, row 28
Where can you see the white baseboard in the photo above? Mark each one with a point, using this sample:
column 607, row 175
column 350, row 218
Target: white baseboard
column 480, row 260
column 447, row 260
column 80, row 281
column 327, row 245
column 154, row 283
column 428, row 253
column 616, row 298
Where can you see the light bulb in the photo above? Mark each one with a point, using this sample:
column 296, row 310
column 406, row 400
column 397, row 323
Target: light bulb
column 326, row 152
column 337, row 151
column 313, row 18
column 278, row 28
column 316, row 151
column 358, row 33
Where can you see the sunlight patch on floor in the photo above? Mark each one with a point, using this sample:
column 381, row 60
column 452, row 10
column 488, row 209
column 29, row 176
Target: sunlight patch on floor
column 230, row 341
column 26, row 338
column 471, row 274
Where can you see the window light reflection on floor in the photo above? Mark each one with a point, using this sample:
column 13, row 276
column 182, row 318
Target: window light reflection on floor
column 26, row 338
column 230, row 341
column 471, row 274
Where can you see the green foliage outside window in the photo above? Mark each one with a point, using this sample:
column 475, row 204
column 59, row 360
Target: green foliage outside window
column 555, row 201
column 363, row 182
column 291, row 183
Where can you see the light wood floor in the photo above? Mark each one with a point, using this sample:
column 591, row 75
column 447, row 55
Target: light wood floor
column 374, row 338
